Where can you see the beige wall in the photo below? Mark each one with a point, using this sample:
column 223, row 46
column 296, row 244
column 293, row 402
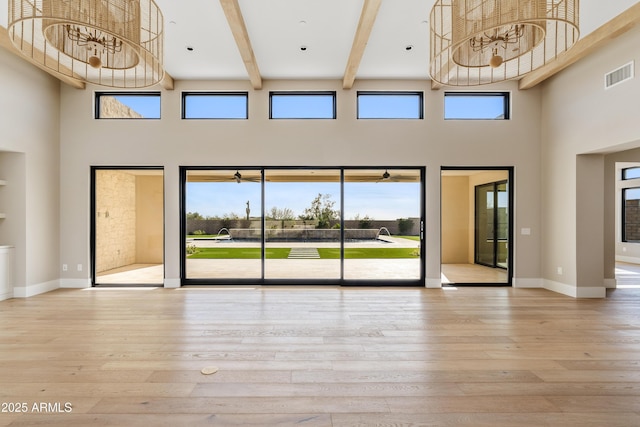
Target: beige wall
column 581, row 122
column 172, row 142
column 30, row 163
column 149, row 219
column 455, row 220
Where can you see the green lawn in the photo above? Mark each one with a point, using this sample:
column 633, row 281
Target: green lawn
column 415, row 238
column 282, row 253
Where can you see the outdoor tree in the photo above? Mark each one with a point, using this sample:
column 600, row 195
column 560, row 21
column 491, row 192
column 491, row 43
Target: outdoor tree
column 321, row 210
column 280, row 214
column 194, row 215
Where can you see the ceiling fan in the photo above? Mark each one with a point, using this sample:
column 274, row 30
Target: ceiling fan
column 388, row 177
column 237, row 177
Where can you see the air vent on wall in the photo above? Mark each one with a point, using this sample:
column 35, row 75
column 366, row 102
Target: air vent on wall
column 618, row 75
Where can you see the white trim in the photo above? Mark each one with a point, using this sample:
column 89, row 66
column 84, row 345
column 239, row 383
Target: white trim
column 575, row 291
column 6, row 295
column 629, row 259
column 521, row 282
column 172, row 283
column 75, row 283
column 610, row 283
column 433, row 283
column 37, row 289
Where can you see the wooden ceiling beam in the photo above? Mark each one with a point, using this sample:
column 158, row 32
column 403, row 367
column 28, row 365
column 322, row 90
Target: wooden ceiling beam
column 367, row 19
column 5, row 42
column 239, row 30
column 585, row 46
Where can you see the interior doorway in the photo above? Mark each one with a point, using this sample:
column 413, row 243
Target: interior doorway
column 476, row 225
column 127, row 227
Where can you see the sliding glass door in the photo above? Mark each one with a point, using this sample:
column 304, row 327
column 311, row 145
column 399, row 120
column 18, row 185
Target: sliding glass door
column 303, row 225
column 383, row 223
column 223, row 224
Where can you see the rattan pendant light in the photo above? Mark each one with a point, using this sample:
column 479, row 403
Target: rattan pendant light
column 476, row 42
column 116, row 43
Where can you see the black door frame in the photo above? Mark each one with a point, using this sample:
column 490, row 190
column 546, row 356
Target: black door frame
column 511, row 243
column 265, row 281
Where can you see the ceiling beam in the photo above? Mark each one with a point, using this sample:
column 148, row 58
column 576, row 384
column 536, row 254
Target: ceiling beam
column 5, row 42
column 367, row 19
column 167, row 82
column 239, row 30
column 585, row 46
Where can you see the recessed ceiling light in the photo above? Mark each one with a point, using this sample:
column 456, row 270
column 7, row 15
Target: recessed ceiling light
column 303, row 22
column 303, row 48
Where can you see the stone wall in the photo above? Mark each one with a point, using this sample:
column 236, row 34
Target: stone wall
column 213, row 226
column 115, row 219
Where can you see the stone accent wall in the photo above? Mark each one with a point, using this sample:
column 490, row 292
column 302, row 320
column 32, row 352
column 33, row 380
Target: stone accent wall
column 111, row 108
column 115, row 219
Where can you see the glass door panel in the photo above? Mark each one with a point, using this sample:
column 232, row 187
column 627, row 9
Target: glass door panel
column 502, row 237
column 302, row 224
column 485, row 225
column 223, row 214
column 382, row 226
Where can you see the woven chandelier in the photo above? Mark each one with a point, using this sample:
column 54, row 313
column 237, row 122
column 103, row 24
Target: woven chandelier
column 476, row 42
column 115, row 43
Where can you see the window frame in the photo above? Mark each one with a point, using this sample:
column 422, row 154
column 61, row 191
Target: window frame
column 506, row 96
column 331, row 93
column 623, row 231
column 186, row 94
column 366, row 93
column 150, row 94
column 624, row 173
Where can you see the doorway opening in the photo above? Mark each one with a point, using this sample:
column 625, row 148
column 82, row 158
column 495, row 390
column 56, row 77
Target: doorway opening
column 477, row 225
column 288, row 225
column 127, row 227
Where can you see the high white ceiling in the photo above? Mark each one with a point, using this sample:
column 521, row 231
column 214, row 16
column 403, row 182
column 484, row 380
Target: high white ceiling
column 277, row 30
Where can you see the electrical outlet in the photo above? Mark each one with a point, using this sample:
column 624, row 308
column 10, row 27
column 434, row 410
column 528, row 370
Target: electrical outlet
column 65, row 267
column 79, row 267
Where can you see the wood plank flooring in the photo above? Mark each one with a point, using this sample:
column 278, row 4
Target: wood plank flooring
column 311, row 356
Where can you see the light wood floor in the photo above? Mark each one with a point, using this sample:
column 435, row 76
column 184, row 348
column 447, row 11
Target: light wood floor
column 321, row 357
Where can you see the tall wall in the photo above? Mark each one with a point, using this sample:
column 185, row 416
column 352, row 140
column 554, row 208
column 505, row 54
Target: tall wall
column 172, row 142
column 30, row 163
column 582, row 123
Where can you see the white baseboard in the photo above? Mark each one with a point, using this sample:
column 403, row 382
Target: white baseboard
column 629, row 259
column 75, row 283
column 610, row 283
column 6, row 295
column 433, row 283
column 172, row 283
column 574, row 291
column 37, row 289
column 522, row 282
